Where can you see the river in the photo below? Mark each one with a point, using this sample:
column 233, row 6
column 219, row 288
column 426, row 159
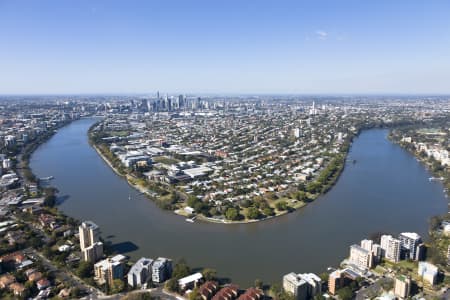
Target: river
column 386, row 190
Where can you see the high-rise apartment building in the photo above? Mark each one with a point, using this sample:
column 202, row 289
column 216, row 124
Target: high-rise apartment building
column 140, row 272
column 391, row 248
column 402, row 287
column 90, row 245
column 409, row 243
column 361, row 257
column 302, row 286
column 109, row 269
column 89, row 234
column 367, row 244
column 161, row 269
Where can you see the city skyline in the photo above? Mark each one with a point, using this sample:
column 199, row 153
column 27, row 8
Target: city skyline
column 109, row 47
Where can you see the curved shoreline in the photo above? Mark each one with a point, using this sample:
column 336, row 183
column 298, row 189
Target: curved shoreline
column 199, row 217
column 181, row 224
column 205, row 219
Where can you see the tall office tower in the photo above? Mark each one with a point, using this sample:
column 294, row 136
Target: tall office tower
column 409, row 242
column 180, row 101
column 170, row 104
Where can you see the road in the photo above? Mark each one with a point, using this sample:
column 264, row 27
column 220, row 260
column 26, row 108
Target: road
column 65, row 275
column 156, row 292
column 372, row 290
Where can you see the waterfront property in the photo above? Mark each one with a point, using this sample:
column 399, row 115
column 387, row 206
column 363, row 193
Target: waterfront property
column 140, row 272
column 302, row 286
column 90, row 245
column 106, row 195
column 161, row 269
column 107, row 270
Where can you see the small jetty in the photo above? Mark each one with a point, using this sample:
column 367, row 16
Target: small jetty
column 191, row 220
column 46, row 178
column 435, row 179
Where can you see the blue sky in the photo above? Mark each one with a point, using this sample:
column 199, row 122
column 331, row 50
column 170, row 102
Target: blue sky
column 230, row 46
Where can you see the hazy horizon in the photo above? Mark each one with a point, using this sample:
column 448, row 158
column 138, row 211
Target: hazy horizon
column 286, row 47
column 225, row 94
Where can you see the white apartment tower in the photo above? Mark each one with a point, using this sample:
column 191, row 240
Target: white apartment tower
column 367, row 244
column 390, row 247
column 361, row 257
column 302, row 286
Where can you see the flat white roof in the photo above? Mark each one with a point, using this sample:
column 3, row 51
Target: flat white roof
column 411, row 235
column 190, row 278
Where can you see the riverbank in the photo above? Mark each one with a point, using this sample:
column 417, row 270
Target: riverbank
column 439, row 243
column 331, row 175
column 444, row 174
column 375, row 183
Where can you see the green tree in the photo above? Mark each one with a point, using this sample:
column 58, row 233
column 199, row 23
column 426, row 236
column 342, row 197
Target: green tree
column 195, row 295
column 75, row 292
column 253, row 213
column 209, row 274
column 324, row 276
column 181, row 269
column 85, row 269
column 172, row 285
column 117, row 286
column 281, row 205
column 301, row 196
column 268, row 211
column 435, row 222
column 232, row 213
column 345, row 293
column 258, row 283
column 213, row 211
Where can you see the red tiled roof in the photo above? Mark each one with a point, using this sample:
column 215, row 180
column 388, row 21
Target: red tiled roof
column 251, row 294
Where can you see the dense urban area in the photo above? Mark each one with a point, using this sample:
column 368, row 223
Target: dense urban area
column 214, row 159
